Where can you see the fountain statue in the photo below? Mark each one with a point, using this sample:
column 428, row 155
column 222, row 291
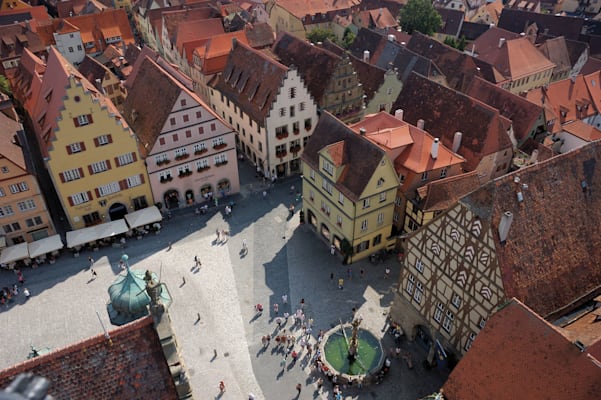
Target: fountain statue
column 354, row 343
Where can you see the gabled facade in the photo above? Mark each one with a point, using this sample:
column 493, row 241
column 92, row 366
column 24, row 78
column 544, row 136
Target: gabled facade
column 418, row 158
column 348, row 190
column 174, row 24
column 24, row 216
column 269, row 106
column 189, row 151
column 104, row 79
column 299, row 18
column 510, row 238
column 330, row 78
column 90, row 152
column 467, row 126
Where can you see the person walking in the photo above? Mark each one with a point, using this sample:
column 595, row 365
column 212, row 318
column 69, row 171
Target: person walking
column 244, row 246
column 299, row 388
column 276, row 308
column 386, row 273
column 221, row 387
column 340, row 283
column 218, row 233
column 332, row 277
column 284, row 299
column 332, row 249
column 91, row 261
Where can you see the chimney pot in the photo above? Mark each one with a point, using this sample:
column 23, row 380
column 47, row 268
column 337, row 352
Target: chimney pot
column 457, row 141
column 504, row 225
column 362, row 131
column 501, row 42
column 434, row 151
column 398, row 114
column 366, row 56
column 420, row 124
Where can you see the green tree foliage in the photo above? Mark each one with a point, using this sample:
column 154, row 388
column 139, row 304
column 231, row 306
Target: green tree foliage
column 4, row 85
column 348, row 38
column 458, row 44
column 419, row 15
column 320, row 35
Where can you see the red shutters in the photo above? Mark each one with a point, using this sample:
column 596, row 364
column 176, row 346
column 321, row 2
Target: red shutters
column 80, row 172
column 70, row 199
column 117, row 162
column 90, row 196
column 76, row 122
column 108, row 164
column 90, row 170
column 62, row 177
column 69, row 151
column 96, row 142
column 90, row 120
column 83, row 146
column 110, row 137
column 123, row 184
column 97, row 192
column 142, row 178
column 134, row 156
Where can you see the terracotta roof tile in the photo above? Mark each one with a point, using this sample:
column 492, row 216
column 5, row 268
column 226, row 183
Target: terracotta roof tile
column 301, row 8
column 8, row 149
column 522, row 113
column 173, row 19
column 441, row 194
column 484, row 130
column 259, row 35
column 197, row 29
column 593, row 84
column 582, row 130
column 556, row 51
column 517, row 21
column 213, row 51
column 592, row 65
column 551, row 256
column 92, row 70
column 251, row 80
column 360, row 157
column 459, row 68
column 133, row 366
column 315, row 64
column 565, row 100
column 36, row 16
column 518, row 355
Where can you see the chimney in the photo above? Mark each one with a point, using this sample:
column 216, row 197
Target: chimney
column 501, row 42
column 366, row 56
column 504, row 225
column 457, row 141
column 534, row 157
column 398, row 114
column 420, row 124
column 434, row 151
column 362, row 131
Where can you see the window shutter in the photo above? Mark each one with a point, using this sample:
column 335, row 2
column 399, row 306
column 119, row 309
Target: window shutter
column 90, row 170
column 70, row 199
column 142, row 178
column 110, row 137
column 83, row 146
column 123, row 184
column 108, row 164
column 76, row 122
column 69, row 150
column 81, row 172
column 90, row 195
column 96, row 142
column 62, row 177
column 97, row 192
column 134, row 156
column 117, row 162
column 90, row 120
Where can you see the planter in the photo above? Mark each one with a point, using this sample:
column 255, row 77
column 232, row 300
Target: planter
column 182, row 157
column 165, row 180
column 185, row 174
column 221, row 163
column 282, row 136
column 295, row 149
column 199, row 152
column 163, row 162
column 281, row 154
column 220, row 146
column 296, row 132
column 202, row 169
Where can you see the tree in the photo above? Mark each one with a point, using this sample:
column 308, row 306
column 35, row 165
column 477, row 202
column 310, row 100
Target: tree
column 458, row 44
column 348, row 38
column 4, row 85
column 320, row 35
column 419, row 15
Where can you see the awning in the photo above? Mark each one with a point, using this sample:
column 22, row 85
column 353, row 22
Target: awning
column 110, row 229
column 143, row 217
column 45, row 245
column 86, row 235
column 14, row 253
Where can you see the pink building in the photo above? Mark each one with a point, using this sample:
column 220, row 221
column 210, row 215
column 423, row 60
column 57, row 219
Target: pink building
column 190, row 152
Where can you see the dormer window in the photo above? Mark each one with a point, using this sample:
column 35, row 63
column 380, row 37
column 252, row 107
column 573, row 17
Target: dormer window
column 328, row 167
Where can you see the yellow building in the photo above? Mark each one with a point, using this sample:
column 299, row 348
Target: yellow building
column 349, row 188
column 24, row 216
column 89, row 150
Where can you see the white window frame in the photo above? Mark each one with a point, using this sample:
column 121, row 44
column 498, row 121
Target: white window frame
column 133, row 181
column 199, row 146
column 220, row 158
column 438, row 312
column 419, row 292
column 419, row 265
column 366, row 203
column 26, row 205
column 327, row 186
column 103, row 140
column 328, row 167
column 470, row 341
column 380, row 218
column 82, row 120
column 382, row 197
column 456, row 300
column 23, row 186
column 202, row 163
column 99, row 166
column 363, row 225
column 218, row 141
column 340, row 198
column 71, row 175
column 14, row 188
column 447, row 324
column 80, row 198
column 75, row 147
column 108, row 189
column 124, row 159
column 410, row 284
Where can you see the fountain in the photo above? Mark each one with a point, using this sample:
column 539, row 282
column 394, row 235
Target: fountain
column 351, row 353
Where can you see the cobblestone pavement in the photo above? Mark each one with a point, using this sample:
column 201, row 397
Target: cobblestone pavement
column 283, row 258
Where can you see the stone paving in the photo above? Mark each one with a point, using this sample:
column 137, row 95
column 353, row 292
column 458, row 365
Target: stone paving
column 283, row 258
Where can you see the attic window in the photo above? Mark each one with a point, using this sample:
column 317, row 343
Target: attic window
column 253, row 91
column 76, row 99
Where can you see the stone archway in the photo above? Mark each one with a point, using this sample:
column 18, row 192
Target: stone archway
column 189, row 197
column 325, row 232
column 117, row 211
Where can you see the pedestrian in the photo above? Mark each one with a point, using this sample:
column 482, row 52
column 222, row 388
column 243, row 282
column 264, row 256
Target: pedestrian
column 349, row 273
column 386, row 273
column 183, row 281
column 278, row 321
column 91, row 261
column 283, row 363
column 332, row 249
column 362, row 273
column 20, row 277
column 26, row 293
column 319, row 383
column 276, row 308
column 292, row 189
column 244, row 246
column 264, row 193
column 302, row 303
column 224, row 235
column 284, row 299
column 196, row 262
column 214, row 353
column 221, row 387
column 169, row 246
column 332, row 277
column 93, row 273
column 197, row 317
column 218, row 232
column 340, row 283
column 298, row 388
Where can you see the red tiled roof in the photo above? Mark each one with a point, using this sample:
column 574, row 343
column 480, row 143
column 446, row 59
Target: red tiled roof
column 551, row 257
column 92, row 27
column 518, row 355
column 215, row 51
column 301, row 8
column 36, row 16
column 593, row 84
column 441, row 194
column 131, row 366
column 198, row 29
column 251, row 80
column 582, row 130
column 8, row 149
column 569, row 97
column 446, row 111
column 172, row 20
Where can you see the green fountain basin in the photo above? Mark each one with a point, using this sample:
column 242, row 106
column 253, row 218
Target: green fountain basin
column 369, row 357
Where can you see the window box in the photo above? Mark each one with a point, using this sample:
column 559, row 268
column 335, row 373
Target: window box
column 183, row 174
column 282, row 135
column 296, row 131
column 295, row 149
column 199, row 152
column 219, row 164
column 281, row 154
column 166, row 179
column 202, row 169
column 308, row 127
column 163, row 162
column 182, row 156
column 220, row 146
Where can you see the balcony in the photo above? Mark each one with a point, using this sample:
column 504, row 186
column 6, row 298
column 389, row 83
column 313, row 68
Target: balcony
column 295, row 149
column 220, row 146
column 221, row 163
column 281, row 153
column 165, row 162
column 199, row 152
column 202, row 169
column 165, row 179
column 184, row 174
column 182, row 156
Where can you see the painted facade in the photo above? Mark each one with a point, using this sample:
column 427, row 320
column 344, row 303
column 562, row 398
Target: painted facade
column 90, row 152
column 386, row 94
